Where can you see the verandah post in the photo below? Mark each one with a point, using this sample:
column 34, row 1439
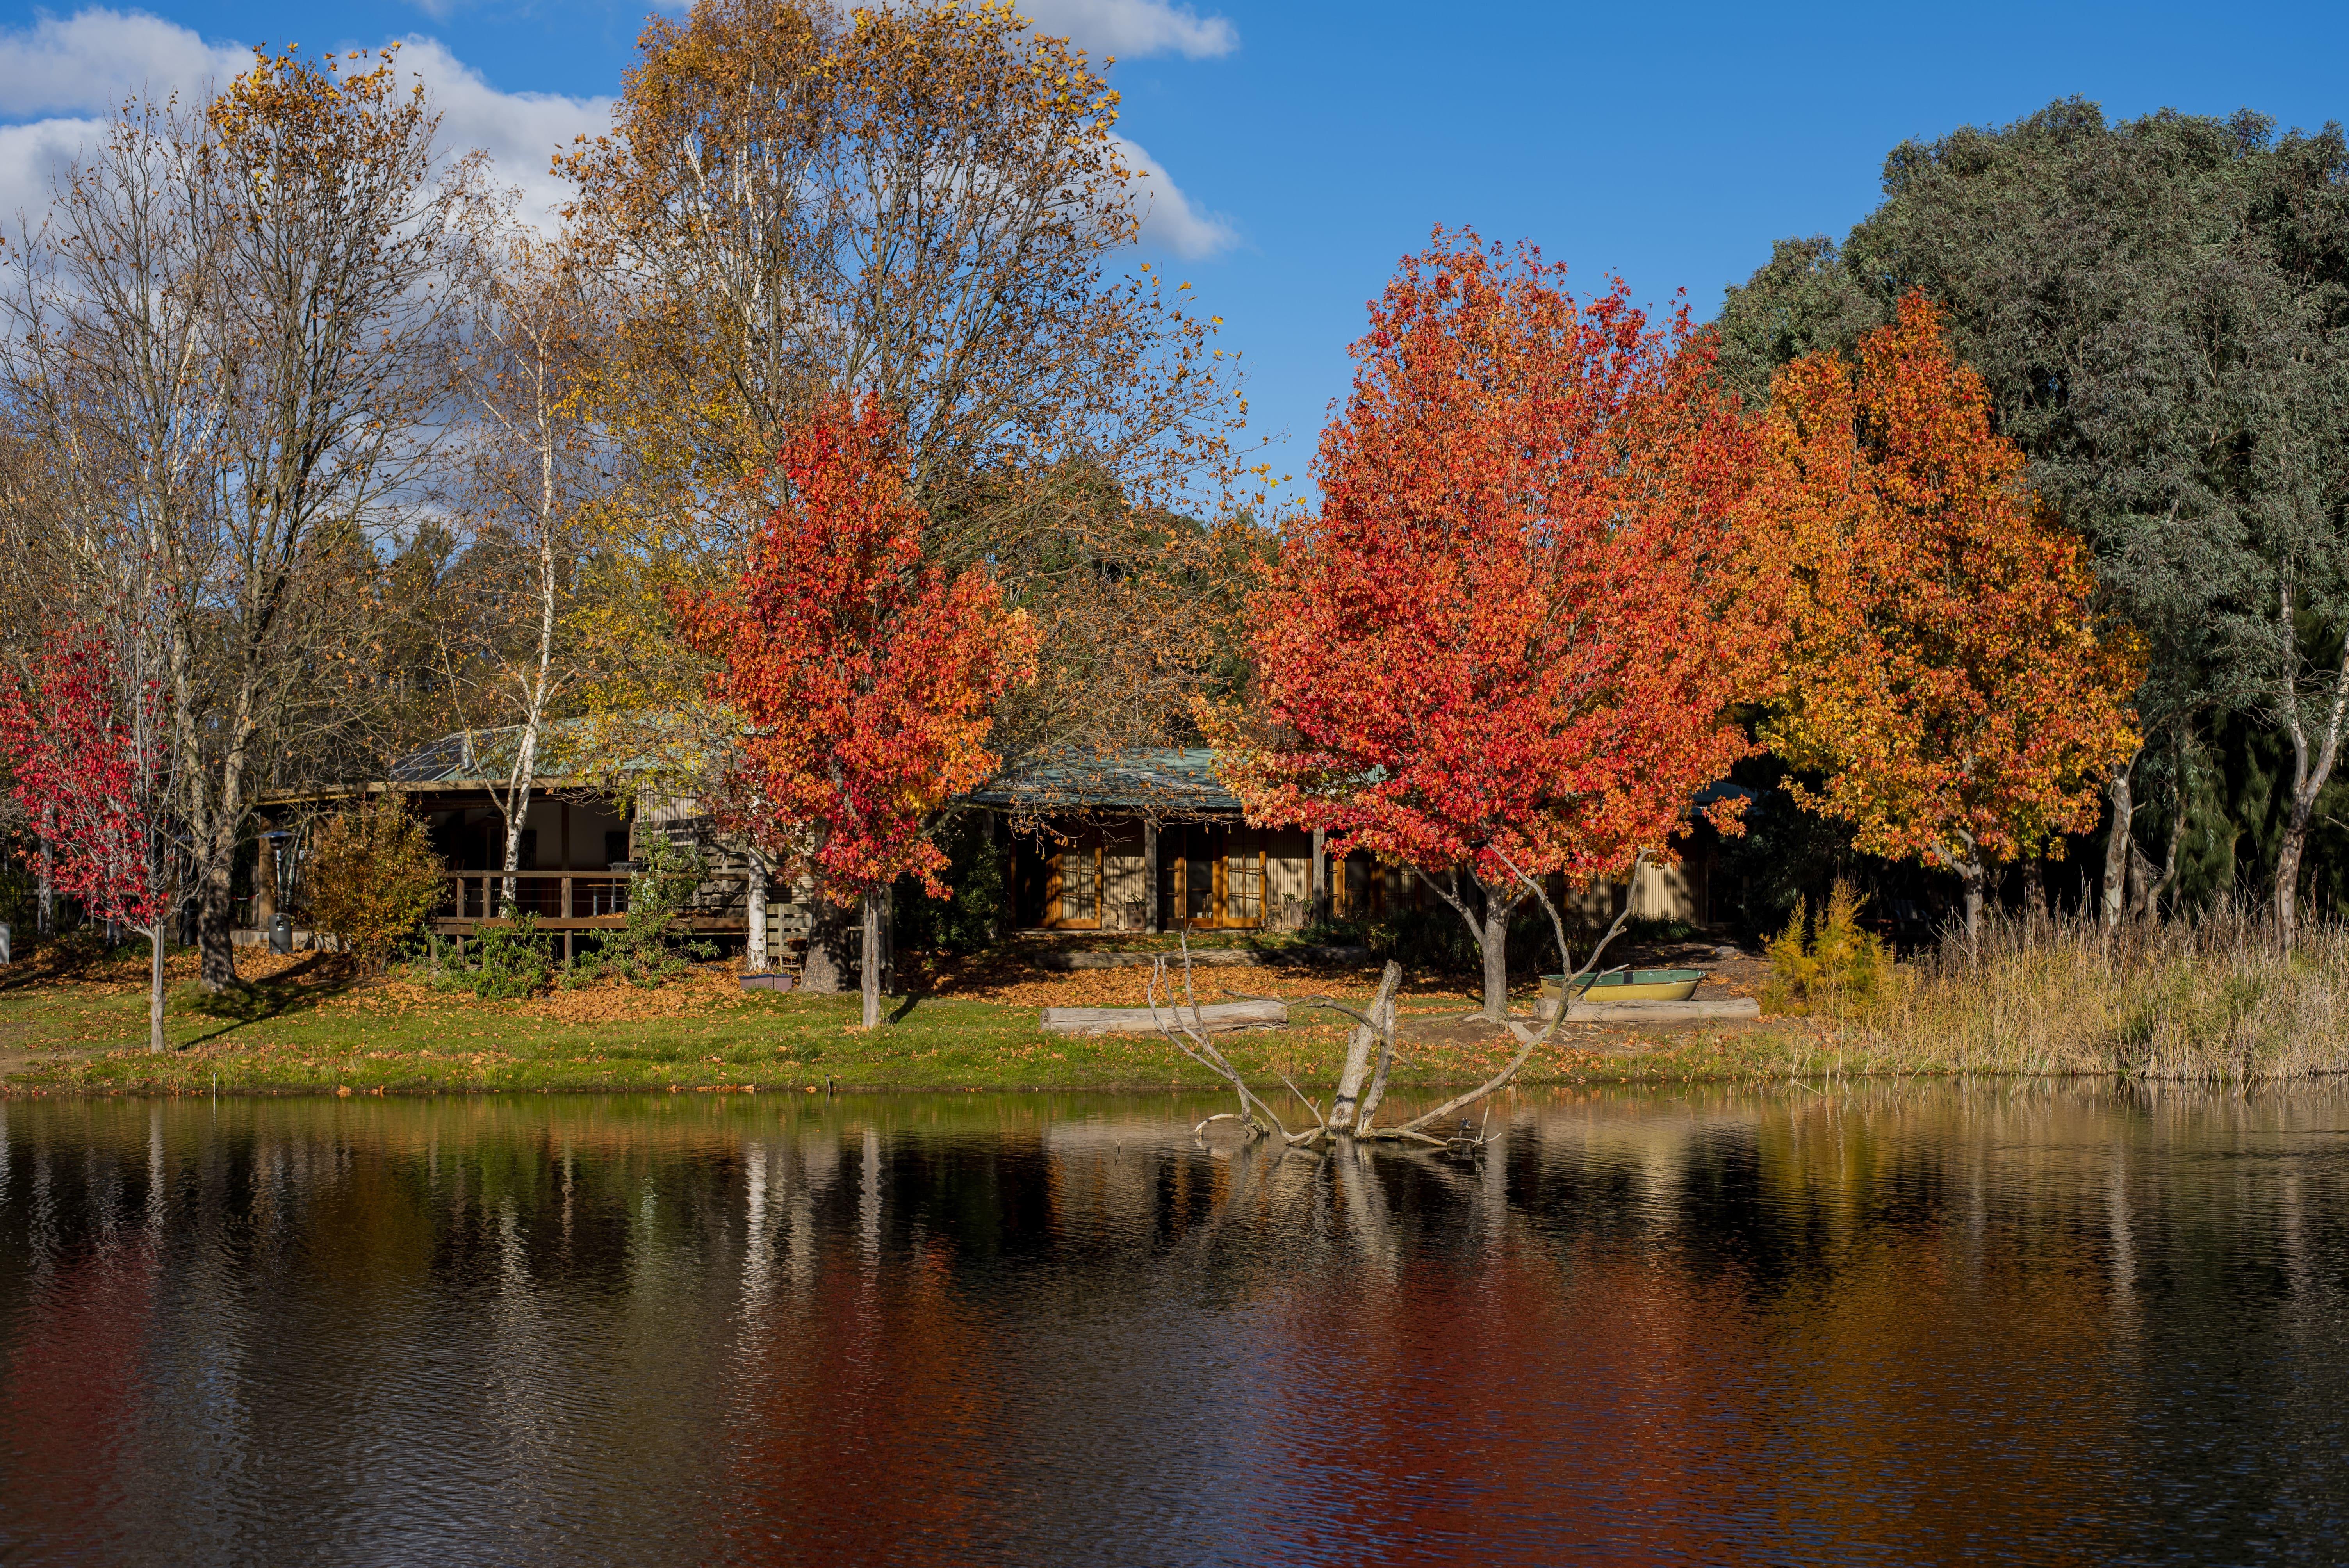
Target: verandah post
column 1150, row 873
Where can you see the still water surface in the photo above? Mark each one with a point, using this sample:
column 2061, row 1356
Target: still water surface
column 1890, row 1325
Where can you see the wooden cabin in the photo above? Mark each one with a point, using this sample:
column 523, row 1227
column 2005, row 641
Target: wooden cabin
column 1153, row 841
column 1148, row 841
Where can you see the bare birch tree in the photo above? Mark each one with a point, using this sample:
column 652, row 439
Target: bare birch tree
column 532, row 468
column 226, row 330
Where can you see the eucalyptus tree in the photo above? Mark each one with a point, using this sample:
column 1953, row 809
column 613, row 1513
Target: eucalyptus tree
column 2156, row 309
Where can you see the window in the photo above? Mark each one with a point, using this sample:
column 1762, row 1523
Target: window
column 1080, row 884
column 1244, row 883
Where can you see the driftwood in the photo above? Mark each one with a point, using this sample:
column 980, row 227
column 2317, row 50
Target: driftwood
column 1216, row 1018
column 1349, row 1116
column 1687, row 1011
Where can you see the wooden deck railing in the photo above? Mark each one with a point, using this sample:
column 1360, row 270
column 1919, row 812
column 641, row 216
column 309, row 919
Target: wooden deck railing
column 580, row 897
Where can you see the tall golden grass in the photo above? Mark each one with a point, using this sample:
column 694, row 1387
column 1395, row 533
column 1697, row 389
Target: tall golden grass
column 2211, row 997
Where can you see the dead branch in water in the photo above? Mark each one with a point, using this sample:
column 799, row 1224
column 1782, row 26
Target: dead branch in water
column 1352, row 1108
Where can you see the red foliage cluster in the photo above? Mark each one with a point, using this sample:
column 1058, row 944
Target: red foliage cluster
column 867, row 677
column 1516, row 625
column 85, row 777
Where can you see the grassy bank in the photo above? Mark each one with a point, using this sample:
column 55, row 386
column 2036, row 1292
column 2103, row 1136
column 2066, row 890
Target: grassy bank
column 2207, row 1000
column 306, row 1027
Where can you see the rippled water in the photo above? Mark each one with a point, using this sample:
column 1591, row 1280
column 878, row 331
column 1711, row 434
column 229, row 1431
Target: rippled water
column 1892, row 1325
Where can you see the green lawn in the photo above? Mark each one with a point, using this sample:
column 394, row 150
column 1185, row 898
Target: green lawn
column 305, row 1034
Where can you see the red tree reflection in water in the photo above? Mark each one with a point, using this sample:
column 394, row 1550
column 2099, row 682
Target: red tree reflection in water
column 1527, row 1402
column 73, row 1391
column 870, row 1428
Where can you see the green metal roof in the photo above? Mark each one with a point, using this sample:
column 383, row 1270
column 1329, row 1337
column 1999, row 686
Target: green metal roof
column 1159, row 782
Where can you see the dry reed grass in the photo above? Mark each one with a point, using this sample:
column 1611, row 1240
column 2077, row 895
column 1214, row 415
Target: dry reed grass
column 2205, row 998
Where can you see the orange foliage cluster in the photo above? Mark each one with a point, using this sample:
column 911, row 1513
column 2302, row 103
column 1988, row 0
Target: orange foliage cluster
column 1942, row 666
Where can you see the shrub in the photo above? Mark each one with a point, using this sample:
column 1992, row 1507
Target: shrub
column 1840, row 970
column 515, row 962
column 372, row 878
column 647, row 949
column 971, row 917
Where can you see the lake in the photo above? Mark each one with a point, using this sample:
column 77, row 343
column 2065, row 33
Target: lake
column 1895, row 1324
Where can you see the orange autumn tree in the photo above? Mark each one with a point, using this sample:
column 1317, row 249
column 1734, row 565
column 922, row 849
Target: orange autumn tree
column 1510, row 639
column 865, row 678
column 1942, row 669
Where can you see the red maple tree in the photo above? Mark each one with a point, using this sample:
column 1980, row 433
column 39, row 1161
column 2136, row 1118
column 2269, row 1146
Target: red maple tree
column 86, row 761
column 864, row 676
column 1943, row 669
column 1510, row 638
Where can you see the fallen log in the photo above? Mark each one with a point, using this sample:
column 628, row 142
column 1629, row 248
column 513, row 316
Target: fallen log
column 1690, row 1012
column 1222, row 1018
column 1204, row 958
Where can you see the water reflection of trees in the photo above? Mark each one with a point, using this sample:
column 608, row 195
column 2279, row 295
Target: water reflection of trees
column 938, row 1330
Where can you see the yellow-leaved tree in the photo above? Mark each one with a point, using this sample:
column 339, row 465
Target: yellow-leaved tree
column 1942, row 668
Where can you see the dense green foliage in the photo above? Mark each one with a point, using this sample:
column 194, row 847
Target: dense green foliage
column 2160, row 310
column 650, row 948
column 511, row 962
column 971, row 915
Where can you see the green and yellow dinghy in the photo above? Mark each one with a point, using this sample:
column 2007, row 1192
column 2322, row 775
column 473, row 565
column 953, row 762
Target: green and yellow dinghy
column 1629, row 985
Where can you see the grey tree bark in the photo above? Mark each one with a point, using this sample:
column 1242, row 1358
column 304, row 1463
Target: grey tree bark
column 2309, row 777
column 831, row 943
column 869, row 975
column 1488, row 926
column 2117, row 843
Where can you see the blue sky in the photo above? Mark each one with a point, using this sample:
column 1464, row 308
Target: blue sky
column 1313, row 144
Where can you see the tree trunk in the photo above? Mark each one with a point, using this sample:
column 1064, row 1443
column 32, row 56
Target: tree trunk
column 1343, row 1109
column 1493, row 940
column 215, row 949
column 870, row 977
column 754, row 914
column 45, row 918
column 2309, row 776
column 2144, row 887
column 2035, row 891
column 1971, row 876
column 1385, row 1015
column 2178, row 801
column 1486, row 916
column 1318, row 889
column 2117, row 844
column 155, row 1042
column 2288, row 857
column 831, row 947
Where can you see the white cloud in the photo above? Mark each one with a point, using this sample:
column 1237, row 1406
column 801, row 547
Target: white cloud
column 1131, row 28
column 88, row 62
column 519, row 131
column 30, row 156
column 1169, row 221
column 77, row 69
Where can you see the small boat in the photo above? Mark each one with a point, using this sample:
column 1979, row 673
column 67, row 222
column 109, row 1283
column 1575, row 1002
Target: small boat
column 1629, row 985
